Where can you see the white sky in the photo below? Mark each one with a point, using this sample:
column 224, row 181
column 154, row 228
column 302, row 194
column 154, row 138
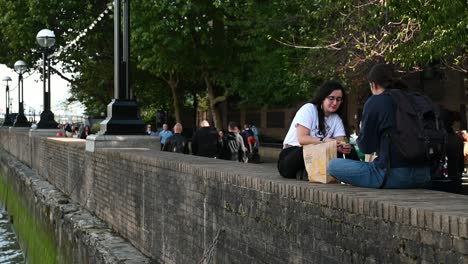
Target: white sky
column 33, row 93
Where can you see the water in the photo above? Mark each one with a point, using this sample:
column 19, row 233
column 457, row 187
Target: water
column 10, row 251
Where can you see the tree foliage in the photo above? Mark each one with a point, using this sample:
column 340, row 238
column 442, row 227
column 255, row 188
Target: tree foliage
column 258, row 52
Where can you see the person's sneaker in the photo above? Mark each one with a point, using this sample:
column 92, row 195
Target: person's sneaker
column 301, row 175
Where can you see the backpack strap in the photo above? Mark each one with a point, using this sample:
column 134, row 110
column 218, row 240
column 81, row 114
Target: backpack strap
column 387, row 172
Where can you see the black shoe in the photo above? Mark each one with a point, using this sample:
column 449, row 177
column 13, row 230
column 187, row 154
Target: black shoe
column 301, row 175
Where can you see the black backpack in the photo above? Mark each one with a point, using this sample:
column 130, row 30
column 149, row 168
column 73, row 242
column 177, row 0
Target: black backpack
column 420, row 135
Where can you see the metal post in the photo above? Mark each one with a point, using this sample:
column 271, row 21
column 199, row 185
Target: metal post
column 118, row 87
column 122, row 112
column 21, row 120
column 7, row 121
column 126, row 49
column 47, row 116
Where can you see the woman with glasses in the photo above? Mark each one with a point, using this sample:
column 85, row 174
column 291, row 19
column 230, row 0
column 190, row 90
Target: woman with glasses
column 317, row 121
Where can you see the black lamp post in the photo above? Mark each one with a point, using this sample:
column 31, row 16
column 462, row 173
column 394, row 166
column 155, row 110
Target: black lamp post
column 21, row 120
column 46, row 39
column 7, row 121
column 122, row 112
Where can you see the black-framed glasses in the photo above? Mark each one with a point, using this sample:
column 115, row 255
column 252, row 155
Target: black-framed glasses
column 338, row 99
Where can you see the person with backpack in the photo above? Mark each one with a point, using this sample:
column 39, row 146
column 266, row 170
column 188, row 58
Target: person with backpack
column 234, row 148
column 378, row 134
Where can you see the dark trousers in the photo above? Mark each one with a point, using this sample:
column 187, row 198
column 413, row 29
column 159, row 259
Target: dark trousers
column 291, row 161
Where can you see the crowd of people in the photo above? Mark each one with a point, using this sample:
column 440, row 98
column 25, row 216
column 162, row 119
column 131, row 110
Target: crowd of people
column 74, row 131
column 207, row 141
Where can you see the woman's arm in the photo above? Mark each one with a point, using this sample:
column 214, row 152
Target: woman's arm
column 304, row 137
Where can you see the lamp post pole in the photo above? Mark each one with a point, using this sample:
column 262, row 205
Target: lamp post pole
column 122, row 112
column 21, row 120
column 7, row 121
column 46, row 39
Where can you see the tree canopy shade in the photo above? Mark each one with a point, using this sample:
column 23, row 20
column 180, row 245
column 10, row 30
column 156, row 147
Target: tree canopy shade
column 259, row 52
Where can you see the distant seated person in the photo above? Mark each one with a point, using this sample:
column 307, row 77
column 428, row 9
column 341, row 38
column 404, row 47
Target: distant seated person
column 449, row 179
column 176, row 143
column 164, row 135
column 149, row 130
column 248, row 137
column 86, row 132
column 465, row 148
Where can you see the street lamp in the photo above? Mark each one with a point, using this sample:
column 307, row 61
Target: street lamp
column 7, row 121
column 122, row 112
column 46, row 39
column 21, row 120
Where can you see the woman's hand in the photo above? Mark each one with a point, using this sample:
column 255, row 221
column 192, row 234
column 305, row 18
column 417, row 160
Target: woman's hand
column 343, row 147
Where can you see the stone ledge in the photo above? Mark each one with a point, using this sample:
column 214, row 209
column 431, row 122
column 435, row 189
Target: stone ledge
column 431, row 210
column 100, row 241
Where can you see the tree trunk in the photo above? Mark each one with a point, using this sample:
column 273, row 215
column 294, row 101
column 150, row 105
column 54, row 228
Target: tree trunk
column 173, row 83
column 217, row 122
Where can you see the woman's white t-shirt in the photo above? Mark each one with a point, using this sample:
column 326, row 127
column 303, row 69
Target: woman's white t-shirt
column 307, row 116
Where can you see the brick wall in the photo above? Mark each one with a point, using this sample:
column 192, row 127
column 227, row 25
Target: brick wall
column 173, row 207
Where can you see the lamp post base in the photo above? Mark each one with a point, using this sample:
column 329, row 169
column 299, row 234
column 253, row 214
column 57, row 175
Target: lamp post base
column 21, row 121
column 122, row 119
column 47, row 120
column 7, row 121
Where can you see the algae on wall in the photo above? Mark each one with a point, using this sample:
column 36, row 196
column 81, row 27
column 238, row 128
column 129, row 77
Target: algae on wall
column 35, row 237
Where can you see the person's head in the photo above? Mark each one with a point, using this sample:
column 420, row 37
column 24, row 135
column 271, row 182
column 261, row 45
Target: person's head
column 232, row 127
column 87, row 129
column 220, row 133
column 246, row 126
column 178, row 128
column 165, row 127
column 381, row 77
column 149, row 128
column 465, row 135
column 328, row 99
column 204, row 123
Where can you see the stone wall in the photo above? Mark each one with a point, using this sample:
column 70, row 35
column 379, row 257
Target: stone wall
column 183, row 209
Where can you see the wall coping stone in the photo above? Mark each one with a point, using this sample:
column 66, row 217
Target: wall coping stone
column 94, row 142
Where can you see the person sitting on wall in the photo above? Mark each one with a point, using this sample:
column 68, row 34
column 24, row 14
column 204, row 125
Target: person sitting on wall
column 378, row 118
column 317, row 121
column 450, row 180
column 176, row 143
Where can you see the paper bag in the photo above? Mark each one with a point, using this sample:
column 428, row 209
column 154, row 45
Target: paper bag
column 316, row 159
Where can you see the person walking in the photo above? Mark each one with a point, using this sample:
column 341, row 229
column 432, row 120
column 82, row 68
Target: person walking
column 164, row 135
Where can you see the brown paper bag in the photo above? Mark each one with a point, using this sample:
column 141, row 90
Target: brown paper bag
column 316, row 159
